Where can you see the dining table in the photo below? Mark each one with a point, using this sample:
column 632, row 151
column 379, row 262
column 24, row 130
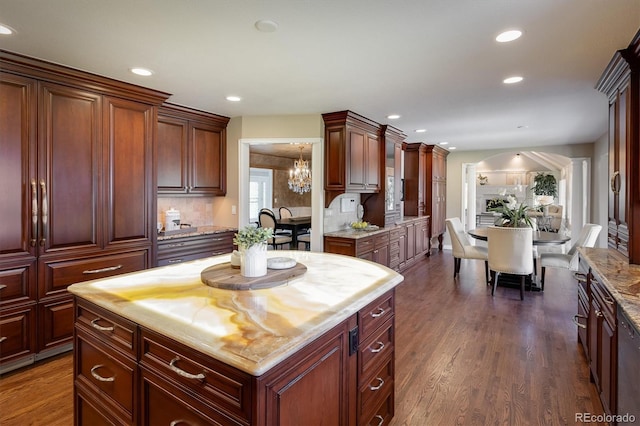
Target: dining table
column 540, row 238
column 295, row 224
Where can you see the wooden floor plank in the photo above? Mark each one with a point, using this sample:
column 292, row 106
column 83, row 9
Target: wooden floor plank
column 462, row 356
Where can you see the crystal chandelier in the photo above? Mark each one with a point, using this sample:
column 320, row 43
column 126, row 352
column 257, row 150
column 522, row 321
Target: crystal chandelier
column 300, row 175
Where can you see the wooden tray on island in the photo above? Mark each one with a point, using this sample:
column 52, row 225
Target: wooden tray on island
column 225, row 277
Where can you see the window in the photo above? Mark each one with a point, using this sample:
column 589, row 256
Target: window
column 260, row 191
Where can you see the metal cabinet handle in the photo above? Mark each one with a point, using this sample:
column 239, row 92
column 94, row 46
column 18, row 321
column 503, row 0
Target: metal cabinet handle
column 175, row 260
column 107, row 269
column 34, row 213
column 179, row 422
column 2, row 286
column 599, row 314
column 99, row 327
column 183, row 373
column 378, row 386
column 175, row 245
column 99, row 377
column 608, row 300
column 380, row 347
column 378, row 313
column 580, row 277
column 3, row 338
column 379, row 417
column 576, row 319
column 615, row 182
column 45, row 212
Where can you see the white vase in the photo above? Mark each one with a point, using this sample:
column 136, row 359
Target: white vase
column 254, row 261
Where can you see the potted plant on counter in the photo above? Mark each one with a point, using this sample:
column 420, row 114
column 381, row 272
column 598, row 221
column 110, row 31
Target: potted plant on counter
column 252, row 242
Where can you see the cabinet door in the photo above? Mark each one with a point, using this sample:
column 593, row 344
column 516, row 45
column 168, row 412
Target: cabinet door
column 208, row 160
column 17, row 166
column 372, row 162
column 69, row 163
column 411, row 241
column 608, row 366
column 171, row 156
column 55, row 323
column 356, row 156
column 594, row 324
column 128, row 171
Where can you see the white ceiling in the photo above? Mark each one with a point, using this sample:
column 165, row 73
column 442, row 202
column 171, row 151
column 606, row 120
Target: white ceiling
column 434, row 62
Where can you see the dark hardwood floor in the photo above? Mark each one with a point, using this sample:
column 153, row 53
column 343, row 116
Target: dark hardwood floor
column 462, row 356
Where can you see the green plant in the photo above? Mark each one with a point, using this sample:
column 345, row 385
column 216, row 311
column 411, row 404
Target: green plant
column 251, row 235
column 545, row 184
column 513, row 215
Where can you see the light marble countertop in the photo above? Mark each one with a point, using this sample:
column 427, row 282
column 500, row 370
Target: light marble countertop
column 250, row 330
column 200, row 230
column 621, row 278
column 357, row 234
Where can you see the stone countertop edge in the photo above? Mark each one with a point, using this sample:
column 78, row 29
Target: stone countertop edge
column 621, row 278
column 357, row 234
column 201, row 230
column 253, row 330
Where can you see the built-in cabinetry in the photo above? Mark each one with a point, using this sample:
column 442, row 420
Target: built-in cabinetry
column 182, row 249
column 353, row 154
column 621, row 83
column 76, row 178
column 191, row 152
column 397, row 247
column 129, row 374
column 425, row 178
column 628, row 395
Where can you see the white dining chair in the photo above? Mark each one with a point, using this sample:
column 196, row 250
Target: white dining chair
column 510, row 252
column 462, row 247
column 587, row 238
column 268, row 220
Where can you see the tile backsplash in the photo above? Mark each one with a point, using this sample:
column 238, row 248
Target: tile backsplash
column 335, row 219
column 197, row 211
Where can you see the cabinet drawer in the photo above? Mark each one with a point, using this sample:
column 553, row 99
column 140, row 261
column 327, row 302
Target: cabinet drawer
column 396, row 232
column 604, row 298
column 374, row 351
column 55, row 318
column 382, row 415
column 215, row 383
column 178, row 407
column 381, row 240
column 107, row 373
column 374, row 391
column 186, row 257
column 111, row 329
column 375, row 314
column 364, row 245
column 14, row 284
column 17, row 332
column 89, row 411
column 58, row 275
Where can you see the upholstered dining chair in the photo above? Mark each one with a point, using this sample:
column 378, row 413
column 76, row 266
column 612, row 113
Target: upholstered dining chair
column 462, row 247
column 284, row 212
column 268, row 220
column 587, row 238
column 510, row 252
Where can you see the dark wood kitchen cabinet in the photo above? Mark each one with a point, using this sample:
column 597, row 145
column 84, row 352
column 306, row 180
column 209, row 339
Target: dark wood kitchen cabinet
column 191, row 152
column 353, row 154
column 77, row 186
column 178, row 250
column 621, row 83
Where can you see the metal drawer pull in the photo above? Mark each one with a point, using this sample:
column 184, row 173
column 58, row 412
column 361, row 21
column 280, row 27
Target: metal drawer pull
column 575, row 321
column 107, row 269
column 183, row 373
column 217, row 239
column 3, row 338
column 99, row 377
column 99, row 327
column 217, row 253
column 380, row 384
column 380, row 347
column 174, row 245
column 2, row 286
column 379, row 417
column 179, row 422
column 599, row 314
column 34, row 212
column 175, row 260
column 580, row 277
column 608, row 300
column 378, row 313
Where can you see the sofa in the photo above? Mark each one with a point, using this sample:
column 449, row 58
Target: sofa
column 551, row 221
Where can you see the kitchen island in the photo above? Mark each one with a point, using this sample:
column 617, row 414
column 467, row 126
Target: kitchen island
column 159, row 346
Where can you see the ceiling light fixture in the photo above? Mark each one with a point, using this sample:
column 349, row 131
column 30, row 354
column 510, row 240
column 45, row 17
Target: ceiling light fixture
column 233, row 98
column 300, row 175
column 421, row 130
column 141, row 71
column 393, row 116
column 6, row 30
column 507, row 36
column 451, row 148
column 512, row 80
column 266, row 26
column 443, row 143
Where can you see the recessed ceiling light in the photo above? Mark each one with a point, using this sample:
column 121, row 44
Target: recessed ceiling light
column 142, row 71
column 509, row 35
column 393, row 116
column 421, row 130
column 233, row 98
column 266, row 26
column 512, row 80
column 523, row 127
column 6, row 30
column 451, row 148
column 443, row 143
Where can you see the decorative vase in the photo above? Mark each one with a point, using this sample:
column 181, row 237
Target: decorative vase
column 254, row 261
